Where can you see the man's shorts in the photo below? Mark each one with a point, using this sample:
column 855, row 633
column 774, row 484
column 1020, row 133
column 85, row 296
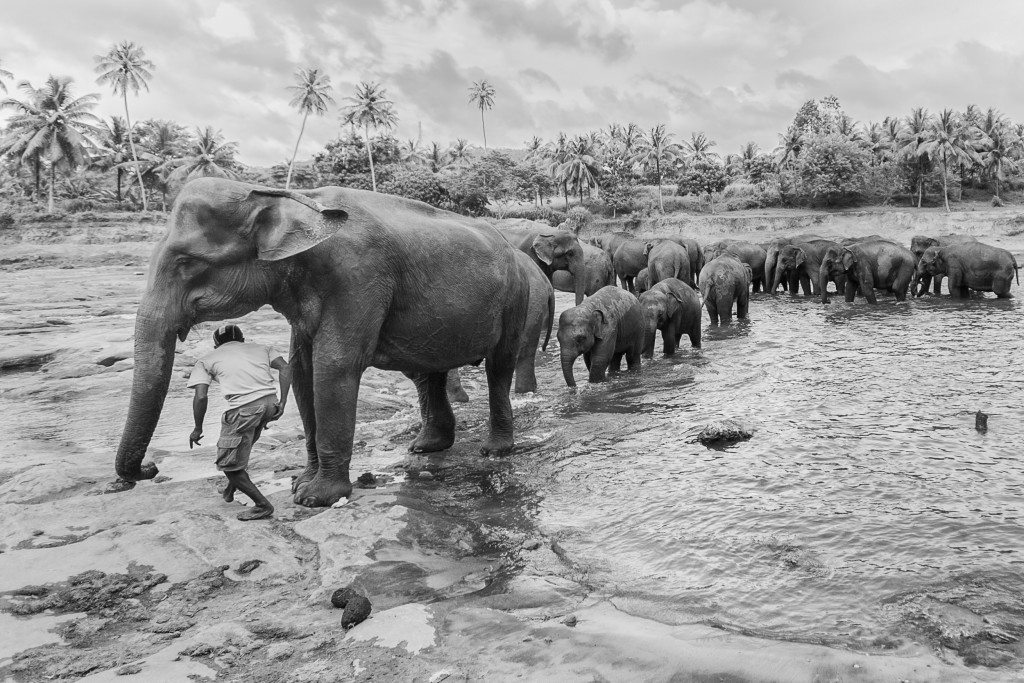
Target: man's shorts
column 240, row 428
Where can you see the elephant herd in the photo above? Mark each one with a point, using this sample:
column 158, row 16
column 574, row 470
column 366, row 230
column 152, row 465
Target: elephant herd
column 372, row 280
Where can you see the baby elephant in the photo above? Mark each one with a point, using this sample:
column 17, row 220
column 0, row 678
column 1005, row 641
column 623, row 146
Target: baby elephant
column 603, row 329
column 671, row 306
column 723, row 282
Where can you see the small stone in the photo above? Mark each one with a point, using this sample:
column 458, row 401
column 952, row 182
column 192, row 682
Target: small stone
column 570, row 620
column 981, row 422
column 279, row 651
column 160, row 478
column 248, row 566
column 724, row 432
column 532, row 545
column 57, row 321
column 441, row 675
column 356, row 611
column 366, row 480
column 340, row 597
column 38, row 532
column 425, row 474
column 129, row 670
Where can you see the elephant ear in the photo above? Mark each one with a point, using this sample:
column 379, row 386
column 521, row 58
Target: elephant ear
column 800, row 257
column 544, row 247
column 599, row 321
column 848, row 259
column 647, row 248
column 750, row 272
column 284, row 223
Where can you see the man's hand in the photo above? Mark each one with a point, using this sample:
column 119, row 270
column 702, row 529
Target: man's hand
column 275, row 413
column 194, row 437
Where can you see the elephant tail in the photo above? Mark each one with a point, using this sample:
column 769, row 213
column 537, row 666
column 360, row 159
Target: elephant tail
column 1016, row 268
column 551, row 319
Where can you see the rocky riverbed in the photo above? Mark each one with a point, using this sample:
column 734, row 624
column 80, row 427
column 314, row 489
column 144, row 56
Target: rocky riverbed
column 466, row 580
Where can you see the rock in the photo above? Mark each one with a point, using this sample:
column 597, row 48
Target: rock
column 248, row 566
column 366, row 480
column 533, row 544
column 724, row 432
column 20, row 360
column 441, row 675
column 985, row 655
column 981, row 422
column 570, row 620
column 279, row 651
column 161, row 478
column 57, row 321
column 357, row 610
column 425, row 474
column 340, row 597
column 129, row 670
column 112, row 354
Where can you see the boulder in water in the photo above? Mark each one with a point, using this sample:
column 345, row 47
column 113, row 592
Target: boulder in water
column 356, row 611
column 341, row 596
column 724, row 433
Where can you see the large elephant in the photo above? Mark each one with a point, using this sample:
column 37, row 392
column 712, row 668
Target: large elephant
column 598, row 266
column 867, row 266
column 971, row 265
column 666, row 259
column 772, row 254
column 610, row 241
column 603, row 329
column 551, row 250
column 364, row 279
column 919, row 244
column 847, row 241
column 799, row 265
column 692, row 248
column 725, row 281
column 630, row 258
column 671, row 306
column 539, row 318
column 753, row 255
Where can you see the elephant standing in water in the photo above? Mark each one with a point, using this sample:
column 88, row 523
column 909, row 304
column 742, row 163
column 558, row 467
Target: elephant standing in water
column 692, row 248
column 753, row 255
column 603, row 329
column 919, row 244
column 667, row 259
column 866, row 266
column 598, row 266
column 976, row 266
column 364, row 279
column 671, row 306
column 799, row 265
column 642, row 281
column 771, row 256
column 629, row 259
column 551, row 250
column 723, row 282
column 539, row 318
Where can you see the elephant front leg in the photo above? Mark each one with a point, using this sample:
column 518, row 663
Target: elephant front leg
column 335, row 392
column 437, row 422
column 301, row 365
column 938, row 285
column 500, row 368
column 670, row 339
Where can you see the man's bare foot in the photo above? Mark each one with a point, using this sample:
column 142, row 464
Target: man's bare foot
column 228, row 493
column 256, row 513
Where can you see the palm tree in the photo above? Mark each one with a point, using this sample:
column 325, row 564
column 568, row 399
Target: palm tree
column 312, row 94
column 125, row 68
column 114, row 149
column 163, row 145
column 53, row 123
column 699, row 147
column 370, row 108
column 790, row 144
column 657, row 150
column 481, row 93
column 997, row 159
column 459, row 153
column 556, row 155
column 4, row 75
column 206, row 155
column 436, row 157
column 580, row 168
column 948, row 141
column 911, row 139
column 412, row 154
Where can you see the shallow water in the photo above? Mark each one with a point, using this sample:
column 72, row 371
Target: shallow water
column 865, row 510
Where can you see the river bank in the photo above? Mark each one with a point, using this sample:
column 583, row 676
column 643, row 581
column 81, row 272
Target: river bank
column 468, row 576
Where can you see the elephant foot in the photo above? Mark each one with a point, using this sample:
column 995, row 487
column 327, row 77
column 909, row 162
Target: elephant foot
column 497, row 447
column 431, row 440
column 147, row 470
column 526, row 386
column 321, row 491
column 306, row 475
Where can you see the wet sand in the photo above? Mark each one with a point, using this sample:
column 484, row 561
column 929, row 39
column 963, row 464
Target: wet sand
column 467, row 588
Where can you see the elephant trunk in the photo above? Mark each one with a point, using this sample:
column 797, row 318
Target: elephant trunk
column 776, row 281
column 823, row 282
column 650, row 332
column 154, row 359
column 568, row 358
column 578, row 268
column 921, row 280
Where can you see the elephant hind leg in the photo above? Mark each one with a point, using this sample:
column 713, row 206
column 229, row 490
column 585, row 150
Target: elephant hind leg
column 301, row 364
column 501, row 365
column 437, row 429
column 526, row 375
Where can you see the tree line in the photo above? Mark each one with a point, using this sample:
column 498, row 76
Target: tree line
column 55, row 145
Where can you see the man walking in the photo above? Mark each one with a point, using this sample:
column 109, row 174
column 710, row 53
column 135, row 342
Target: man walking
column 243, row 371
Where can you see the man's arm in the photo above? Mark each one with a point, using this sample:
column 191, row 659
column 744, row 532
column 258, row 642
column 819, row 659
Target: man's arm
column 199, row 402
column 284, row 376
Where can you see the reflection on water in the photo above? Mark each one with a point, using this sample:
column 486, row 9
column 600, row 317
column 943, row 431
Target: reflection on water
column 865, row 479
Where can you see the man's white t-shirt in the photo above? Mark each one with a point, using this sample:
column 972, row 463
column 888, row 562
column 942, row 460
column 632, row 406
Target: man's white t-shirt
column 241, row 369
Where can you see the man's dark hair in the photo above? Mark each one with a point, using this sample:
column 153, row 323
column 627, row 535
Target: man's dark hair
column 227, row 333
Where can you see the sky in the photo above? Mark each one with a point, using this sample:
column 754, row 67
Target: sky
column 735, row 69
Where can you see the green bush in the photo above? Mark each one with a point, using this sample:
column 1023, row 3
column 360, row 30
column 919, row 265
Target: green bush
column 416, row 183
column 7, row 219
column 543, row 214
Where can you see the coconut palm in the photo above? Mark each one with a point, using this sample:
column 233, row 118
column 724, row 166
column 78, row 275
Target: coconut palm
column 698, row 148
column 312, row 95
column 163, row 146
column 412, row 154
column 535, row 149
column 53, row 124
column 658, row 151
column 556, row 155
column 910, row 142
column 125, row 68
column 948, row 141
column 997, row 159
column 114, row 150
column 460, row 153
column 437, row 158
column 580, row 168
column 631, row 137
column 481, row 93
column 790, row 144
column 5, row 75
column 208, row 154
column 371, row 109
